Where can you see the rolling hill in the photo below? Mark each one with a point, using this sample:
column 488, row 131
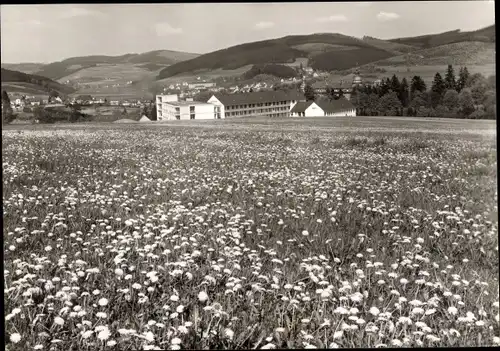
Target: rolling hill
column 25, row 67
column 486, row 35
column 335, row 52
column 393, row 47
column 61, row 69
column 285, row 50
column 24, row 83
column 462, row 53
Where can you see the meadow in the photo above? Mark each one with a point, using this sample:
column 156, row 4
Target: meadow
column 366, row 232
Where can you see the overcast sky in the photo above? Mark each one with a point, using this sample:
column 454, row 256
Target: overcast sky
column 47, row 33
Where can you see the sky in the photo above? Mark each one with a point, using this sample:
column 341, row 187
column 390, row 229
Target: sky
column 48, row 33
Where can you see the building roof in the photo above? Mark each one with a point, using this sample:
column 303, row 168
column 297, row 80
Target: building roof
column 186, row 103
column 335, row 105
column 301, row 106
column 258, row 97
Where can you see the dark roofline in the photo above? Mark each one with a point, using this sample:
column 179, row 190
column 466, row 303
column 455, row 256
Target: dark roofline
column 301, row 106
column 258, row 97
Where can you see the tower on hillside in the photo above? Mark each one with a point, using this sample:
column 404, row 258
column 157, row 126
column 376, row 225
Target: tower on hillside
column 357, row 81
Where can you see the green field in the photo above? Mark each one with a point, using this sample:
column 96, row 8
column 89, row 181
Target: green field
column 293, row 233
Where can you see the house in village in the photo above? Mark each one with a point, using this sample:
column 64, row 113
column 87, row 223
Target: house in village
column 334, row 108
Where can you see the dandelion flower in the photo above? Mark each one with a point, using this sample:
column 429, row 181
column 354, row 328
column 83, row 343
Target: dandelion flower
column 103, row 302
column 176, row 341
column 374, row 311
column 59, row 321
column 149, row 336
column 268, row 346
column 15, row 338
column 103, row 334
column 338, row 334
column 228, row 333
column 202, row 296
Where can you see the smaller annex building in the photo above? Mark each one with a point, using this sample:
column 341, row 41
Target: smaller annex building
column 335, row 108
column 170, row 108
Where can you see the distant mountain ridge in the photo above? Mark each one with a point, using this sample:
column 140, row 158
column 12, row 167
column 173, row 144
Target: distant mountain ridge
column 61, row 69
column 319, row 48
column 324, row 51
column 486, row 34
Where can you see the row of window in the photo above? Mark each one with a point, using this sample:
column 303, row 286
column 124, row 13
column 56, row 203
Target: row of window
column 236, row 107
column 255, row 112
column 234, row 114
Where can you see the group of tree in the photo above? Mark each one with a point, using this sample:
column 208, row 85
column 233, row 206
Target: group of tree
column 280, row 71
column 466, row 96
column 150, row 111
column 7, row 112
column 70, row 113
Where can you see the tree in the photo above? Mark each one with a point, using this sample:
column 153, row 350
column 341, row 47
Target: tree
column 489, row 98
column 403, row 93
column 418, row 102
column 389, row 104
column 491, row 111
column 7, row 112
column 309, row 93
column 492, row 81
column 373, row 103
column 450, row 99
column 152, row 113
column 463, row 77
column 478, row 86
column 466, row 102
column 52, row 95
column 395, row 84
column 417, row 84
column 385, row 86
column 437, row 89
column 362, row 103
column 474, row 79
column 449, row 78
column 154, row 89
column 442, row 111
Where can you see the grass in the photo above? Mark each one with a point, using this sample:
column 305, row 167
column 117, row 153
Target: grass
column 248, row 234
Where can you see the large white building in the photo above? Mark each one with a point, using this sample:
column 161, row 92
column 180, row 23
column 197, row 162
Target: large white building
column 255, row 104
column 335, row 108
column 168, row 107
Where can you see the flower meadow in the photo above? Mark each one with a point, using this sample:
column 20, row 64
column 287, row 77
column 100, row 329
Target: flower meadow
column 200, row 238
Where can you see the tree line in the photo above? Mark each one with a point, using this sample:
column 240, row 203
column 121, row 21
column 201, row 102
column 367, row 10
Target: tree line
column 466, row 96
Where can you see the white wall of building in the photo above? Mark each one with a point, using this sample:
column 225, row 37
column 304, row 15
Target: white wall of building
column 315, row 111
column 213, row 100
column 173, row 111
column 345, row 113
